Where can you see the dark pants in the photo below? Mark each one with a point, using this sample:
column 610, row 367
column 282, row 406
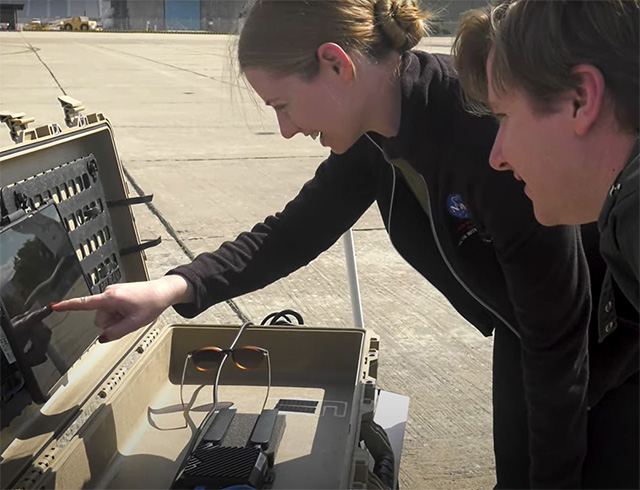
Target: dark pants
column 613, row 453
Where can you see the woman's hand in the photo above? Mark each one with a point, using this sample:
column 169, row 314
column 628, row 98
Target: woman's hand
column 126, row 307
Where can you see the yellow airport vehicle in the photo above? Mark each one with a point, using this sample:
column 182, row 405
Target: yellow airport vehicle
column 78, row 23
column 34, row 25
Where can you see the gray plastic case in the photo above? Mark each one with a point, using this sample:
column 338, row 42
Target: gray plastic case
column 117, row 422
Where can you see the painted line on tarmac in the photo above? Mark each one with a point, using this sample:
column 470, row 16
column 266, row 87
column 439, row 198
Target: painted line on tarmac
column 222, row 159
column 151, row 60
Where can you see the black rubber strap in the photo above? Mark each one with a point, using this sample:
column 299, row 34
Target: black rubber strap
column 220, row 425
column 140, row 246
column 129, row 201
column 263, row 430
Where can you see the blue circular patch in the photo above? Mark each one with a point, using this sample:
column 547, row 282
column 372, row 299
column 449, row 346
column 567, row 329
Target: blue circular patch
column 457, row 207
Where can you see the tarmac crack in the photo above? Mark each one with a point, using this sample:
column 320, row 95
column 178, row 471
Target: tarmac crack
column 172, row 232
column 35, row 51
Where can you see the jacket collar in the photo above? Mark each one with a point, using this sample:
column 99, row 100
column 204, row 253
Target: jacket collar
column 414, row 89
column 624, row 180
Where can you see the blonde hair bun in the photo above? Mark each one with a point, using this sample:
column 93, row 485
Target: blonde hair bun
column 373, row 28
column 401, row 21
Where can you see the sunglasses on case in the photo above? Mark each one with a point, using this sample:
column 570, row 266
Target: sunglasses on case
column 212, row 358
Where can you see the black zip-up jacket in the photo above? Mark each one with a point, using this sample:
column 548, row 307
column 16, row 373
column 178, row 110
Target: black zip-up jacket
column 619, row 224
column 478, row 243
column 614, row 338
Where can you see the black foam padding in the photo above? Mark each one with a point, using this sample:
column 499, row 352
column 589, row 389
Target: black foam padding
column 242, row 426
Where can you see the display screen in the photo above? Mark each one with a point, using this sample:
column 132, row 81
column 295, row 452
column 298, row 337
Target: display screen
column 38, row 266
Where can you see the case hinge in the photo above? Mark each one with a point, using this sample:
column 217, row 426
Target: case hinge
column 41, row 132
column 18, row 122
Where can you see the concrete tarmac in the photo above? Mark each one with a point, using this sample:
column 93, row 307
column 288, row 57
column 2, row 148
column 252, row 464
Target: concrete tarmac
column 190, row 132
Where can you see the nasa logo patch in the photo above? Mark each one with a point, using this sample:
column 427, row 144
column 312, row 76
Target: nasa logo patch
column 457, row 207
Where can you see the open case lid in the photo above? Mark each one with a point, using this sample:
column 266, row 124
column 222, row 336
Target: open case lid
column 88, row 144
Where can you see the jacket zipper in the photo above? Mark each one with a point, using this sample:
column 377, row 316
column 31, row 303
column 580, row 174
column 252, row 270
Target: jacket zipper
column 446, row 260
column 442, row 254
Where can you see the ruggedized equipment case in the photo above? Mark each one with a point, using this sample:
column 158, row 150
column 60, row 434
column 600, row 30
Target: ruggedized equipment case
column 116, row 420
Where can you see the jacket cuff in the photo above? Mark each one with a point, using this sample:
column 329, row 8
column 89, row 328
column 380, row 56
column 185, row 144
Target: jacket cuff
column 193, row 309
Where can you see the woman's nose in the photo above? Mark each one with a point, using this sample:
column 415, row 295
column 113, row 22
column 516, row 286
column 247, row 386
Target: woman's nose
column 287, row 128
column 496, row 158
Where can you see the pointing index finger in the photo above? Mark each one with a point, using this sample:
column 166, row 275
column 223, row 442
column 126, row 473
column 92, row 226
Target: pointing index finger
column 83, row 303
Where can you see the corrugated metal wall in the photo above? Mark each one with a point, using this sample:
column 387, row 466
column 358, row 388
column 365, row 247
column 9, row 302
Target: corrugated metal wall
column 221, row 15
column 182, row 15
column 207, row 15
column 52, row 9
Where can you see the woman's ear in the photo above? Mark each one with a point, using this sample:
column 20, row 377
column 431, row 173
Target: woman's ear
column 588, row 97
column 332, row 57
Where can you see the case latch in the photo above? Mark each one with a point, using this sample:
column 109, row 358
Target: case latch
column 17, row 122
column 72, row 109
